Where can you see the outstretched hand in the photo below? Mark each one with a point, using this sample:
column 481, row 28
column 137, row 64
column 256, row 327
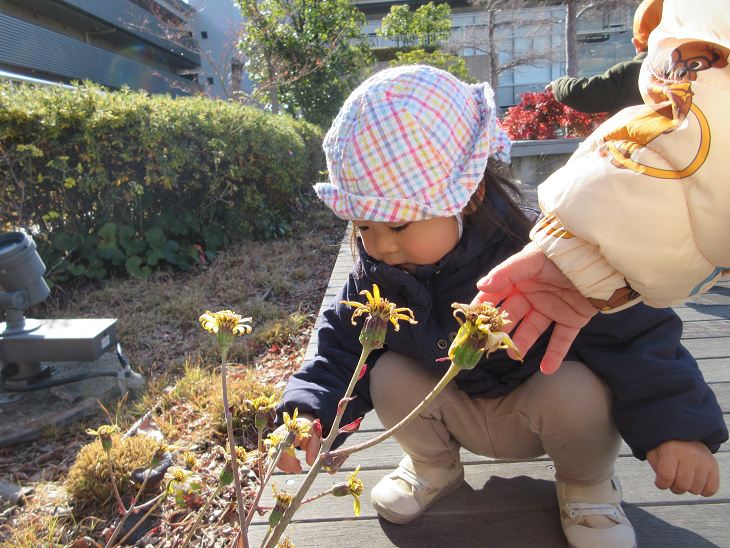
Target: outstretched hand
column 535, row 291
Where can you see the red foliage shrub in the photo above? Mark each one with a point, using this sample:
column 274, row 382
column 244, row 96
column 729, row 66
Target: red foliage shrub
column 540, row 116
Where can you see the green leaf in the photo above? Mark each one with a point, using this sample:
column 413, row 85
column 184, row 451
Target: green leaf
column 135, row 268
column 154, row 256
column 108, row 232
column 62, row 242
column 96, row 273
column 76, row 269
column 155, row 236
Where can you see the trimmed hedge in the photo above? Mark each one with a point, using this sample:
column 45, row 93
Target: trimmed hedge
column 110, row 181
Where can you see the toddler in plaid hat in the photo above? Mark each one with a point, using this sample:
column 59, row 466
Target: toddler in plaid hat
column 413, row 160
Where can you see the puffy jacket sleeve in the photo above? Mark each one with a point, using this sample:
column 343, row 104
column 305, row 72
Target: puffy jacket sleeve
column 639, row 212
column 320, row 384
column 609, row 92
column 659, row 391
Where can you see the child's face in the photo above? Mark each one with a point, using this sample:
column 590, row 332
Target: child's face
column 409, row 245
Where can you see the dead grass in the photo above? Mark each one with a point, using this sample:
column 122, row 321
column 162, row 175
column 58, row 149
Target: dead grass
column 280, row 284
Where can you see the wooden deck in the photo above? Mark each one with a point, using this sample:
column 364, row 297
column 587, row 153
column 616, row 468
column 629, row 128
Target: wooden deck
column 513, row 504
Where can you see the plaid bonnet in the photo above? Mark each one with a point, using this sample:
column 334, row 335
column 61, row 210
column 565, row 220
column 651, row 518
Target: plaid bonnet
column 409, row 144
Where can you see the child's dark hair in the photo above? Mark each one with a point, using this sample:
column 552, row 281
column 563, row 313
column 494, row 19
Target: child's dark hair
column 481, row 212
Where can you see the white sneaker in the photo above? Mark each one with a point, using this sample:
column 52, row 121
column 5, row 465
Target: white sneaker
column 403, row 495
column 592, row 517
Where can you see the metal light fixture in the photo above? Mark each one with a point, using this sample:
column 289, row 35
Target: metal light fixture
column 25, row 343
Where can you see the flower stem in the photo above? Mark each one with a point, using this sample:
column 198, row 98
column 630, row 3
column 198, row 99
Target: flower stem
column 264, row 481
column 232, row 448
column 158, row 501
column 128, row 511
column 446, row 379
column 217, row 491
column 275, row 535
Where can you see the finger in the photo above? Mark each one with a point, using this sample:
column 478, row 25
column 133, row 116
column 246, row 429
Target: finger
column 516, row 307
column 558, row 347
column 666, row 471
column 312, row 449
column 289, row 464
column 683, row 479
column 533, row 325
column 493, row 296
column 712, row 485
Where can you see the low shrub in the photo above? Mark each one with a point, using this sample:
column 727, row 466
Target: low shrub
column 127, row 182
column 540, row 116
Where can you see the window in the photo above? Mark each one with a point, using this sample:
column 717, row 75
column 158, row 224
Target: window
column 210, row 80
column 204, row 34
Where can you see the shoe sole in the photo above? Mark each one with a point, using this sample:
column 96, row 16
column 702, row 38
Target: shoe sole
column 400, row 519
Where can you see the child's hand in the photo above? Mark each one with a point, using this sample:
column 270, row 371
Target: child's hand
column 683, row 466
column 310, row 445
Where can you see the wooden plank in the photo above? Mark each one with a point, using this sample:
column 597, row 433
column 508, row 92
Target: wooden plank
column 520, row 494
column 706, row 328
column 708, row 348
column 699, row 313
column 501, row 487
column 715, row 369
column 656, row 527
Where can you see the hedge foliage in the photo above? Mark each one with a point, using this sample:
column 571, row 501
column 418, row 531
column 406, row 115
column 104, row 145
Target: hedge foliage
column 125, row 181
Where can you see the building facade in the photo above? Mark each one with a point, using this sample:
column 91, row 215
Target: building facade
column 604, row 39
column 111, row 42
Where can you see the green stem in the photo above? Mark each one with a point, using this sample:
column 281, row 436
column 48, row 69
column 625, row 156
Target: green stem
column 232, row 448
column 273, row 538
column 446, row 379
column 200, row 514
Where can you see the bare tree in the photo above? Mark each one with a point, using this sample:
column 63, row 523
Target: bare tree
column 485, row 38
column 575, row 9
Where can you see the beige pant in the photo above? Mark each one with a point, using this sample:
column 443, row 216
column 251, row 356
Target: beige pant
column 566, row 415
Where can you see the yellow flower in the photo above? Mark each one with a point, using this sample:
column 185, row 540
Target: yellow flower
column 283, row 499
column 105, row 435
column 273, row 440
column 380, row 311
column 263, row 406
column 191, row 461
column 352, row 486
column 298, row 427
column 481, row 332
column 179, row 475
column 225, row 324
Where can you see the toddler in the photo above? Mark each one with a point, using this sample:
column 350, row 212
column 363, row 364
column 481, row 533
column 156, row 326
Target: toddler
column 408, row 161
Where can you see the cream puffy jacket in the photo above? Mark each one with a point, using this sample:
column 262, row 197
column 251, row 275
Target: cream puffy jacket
column 642, row 210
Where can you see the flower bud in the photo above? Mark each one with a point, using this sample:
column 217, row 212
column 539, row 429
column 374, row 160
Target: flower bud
column 226, row 475
column 373, row 332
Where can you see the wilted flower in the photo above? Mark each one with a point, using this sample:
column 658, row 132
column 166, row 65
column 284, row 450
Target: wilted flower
column 191, row 461
column 262, row 407
column 105, row 435
column 352, row 486
column 273, row 440
column 380, row 311
column 481, row 332
column 161, row 452
column 225, row 324
column 182, row 484
column 295, row 428
column 283, row 499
